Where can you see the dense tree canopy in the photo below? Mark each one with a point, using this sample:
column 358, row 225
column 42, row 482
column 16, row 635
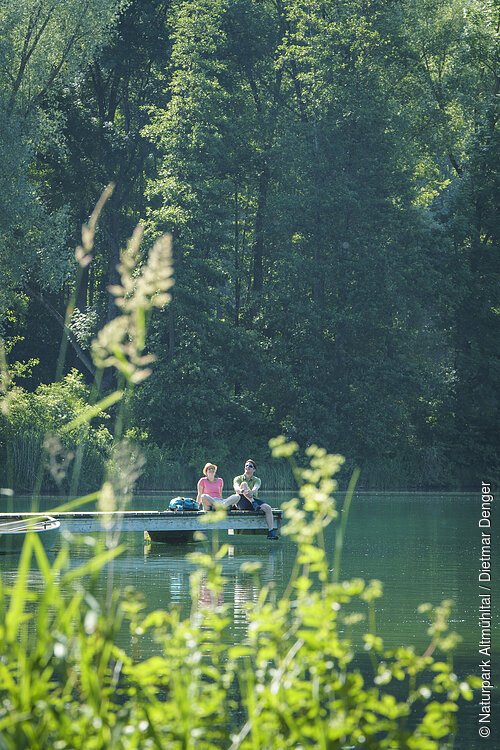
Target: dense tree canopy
column 327, row 170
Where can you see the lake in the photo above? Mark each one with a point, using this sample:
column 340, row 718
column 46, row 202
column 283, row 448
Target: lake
column 424, row 547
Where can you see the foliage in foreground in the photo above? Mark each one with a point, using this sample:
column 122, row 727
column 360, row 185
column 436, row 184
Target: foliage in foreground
column 65, row 683
column 292, row 683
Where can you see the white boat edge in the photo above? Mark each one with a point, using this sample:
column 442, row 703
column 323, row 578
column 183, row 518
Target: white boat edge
column 13, row 533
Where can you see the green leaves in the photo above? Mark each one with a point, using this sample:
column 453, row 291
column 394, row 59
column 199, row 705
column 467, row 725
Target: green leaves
column 86, row 416
column 293, row 676
column 46, row 44
column 327, row 171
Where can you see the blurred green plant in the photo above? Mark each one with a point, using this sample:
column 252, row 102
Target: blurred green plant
column 292, row 682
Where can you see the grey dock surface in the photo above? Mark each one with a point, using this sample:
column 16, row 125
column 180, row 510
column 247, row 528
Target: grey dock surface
column 150, row 520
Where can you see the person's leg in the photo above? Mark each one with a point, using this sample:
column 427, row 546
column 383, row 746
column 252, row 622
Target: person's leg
column 230, row 501
column 266, row 509
column 244, row 503
column 208, row 502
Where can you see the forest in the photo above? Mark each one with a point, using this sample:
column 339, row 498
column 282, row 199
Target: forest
column 327, row 171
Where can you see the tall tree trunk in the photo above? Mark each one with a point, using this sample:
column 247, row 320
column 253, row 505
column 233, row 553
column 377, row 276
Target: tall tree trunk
column 320, row 221
column 258, row 248
column 114, row 246
column 237, row 260
column 82, row 293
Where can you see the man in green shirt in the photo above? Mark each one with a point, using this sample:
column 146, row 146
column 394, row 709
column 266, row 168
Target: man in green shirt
column 247, row 486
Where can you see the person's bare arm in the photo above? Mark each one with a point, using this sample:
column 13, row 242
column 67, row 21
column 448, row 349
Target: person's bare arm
column 198, row 496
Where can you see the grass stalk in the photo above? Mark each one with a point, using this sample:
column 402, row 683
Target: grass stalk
column 341, row 528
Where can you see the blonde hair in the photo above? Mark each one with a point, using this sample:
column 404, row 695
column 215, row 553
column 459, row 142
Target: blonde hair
column 209, row 466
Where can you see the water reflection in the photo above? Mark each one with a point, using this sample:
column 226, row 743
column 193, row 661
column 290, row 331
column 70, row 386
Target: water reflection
column 168, row 564
column 423, row 547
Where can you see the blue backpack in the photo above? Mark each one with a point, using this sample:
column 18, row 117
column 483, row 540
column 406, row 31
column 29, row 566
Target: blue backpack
column 183, row 503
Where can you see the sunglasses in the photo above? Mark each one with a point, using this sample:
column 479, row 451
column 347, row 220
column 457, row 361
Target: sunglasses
column 249, row 466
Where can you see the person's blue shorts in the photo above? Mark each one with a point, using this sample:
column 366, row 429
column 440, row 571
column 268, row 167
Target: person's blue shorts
column 257, row 503
column 245, row 504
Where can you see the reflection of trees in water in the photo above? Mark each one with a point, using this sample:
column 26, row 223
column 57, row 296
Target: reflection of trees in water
column 162, row 579
column 241, row 588
column 170, row 585
column 246, row 587
column 35, row 581
column 161, row 576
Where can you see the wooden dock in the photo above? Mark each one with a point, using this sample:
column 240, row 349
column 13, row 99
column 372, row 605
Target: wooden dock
column 83, row 522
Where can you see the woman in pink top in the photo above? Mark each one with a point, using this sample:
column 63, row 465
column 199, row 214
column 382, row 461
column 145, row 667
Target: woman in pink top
column 209, row 486
column 210, row 489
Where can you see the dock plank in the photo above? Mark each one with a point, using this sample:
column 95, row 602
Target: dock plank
column 147, row 520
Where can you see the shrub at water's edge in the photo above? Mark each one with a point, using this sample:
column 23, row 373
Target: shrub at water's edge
column 35, row 448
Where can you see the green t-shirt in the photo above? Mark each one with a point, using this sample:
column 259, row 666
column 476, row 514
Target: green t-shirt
column 251, row 482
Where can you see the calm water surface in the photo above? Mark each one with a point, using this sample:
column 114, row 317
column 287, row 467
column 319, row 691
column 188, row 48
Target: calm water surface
column 423, row 547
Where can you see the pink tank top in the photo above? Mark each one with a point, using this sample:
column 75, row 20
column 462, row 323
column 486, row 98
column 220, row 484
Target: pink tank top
column 213, row 489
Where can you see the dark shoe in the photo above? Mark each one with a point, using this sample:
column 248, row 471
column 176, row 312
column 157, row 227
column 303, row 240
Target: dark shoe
column 272, row 534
